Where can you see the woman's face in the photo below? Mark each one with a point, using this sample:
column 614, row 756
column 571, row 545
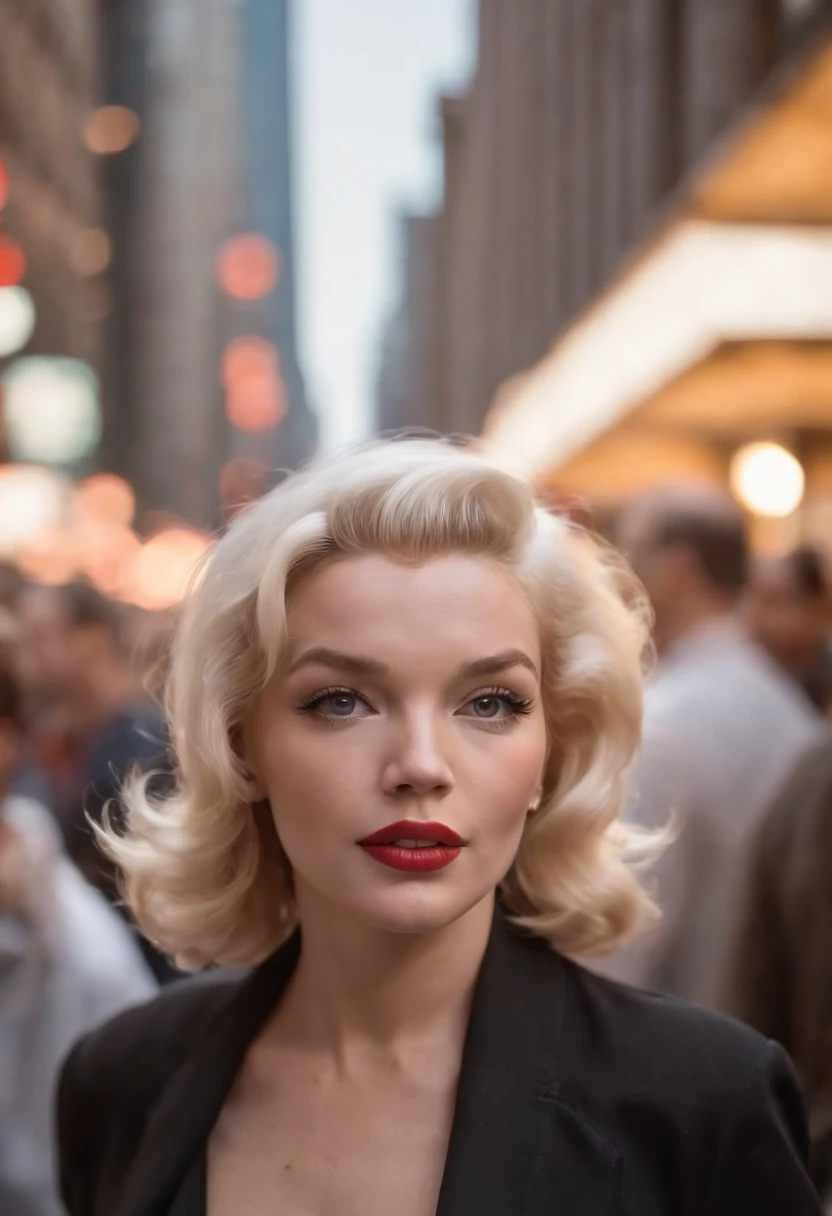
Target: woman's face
column 402, row 740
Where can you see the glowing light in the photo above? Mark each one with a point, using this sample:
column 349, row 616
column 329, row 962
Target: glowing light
column 49, row 557
column 106, row 498
column 656, row 320
column 12, row 262
column 164, row 568
column 112, row 129
column 17, row 319
column 90, row 252
column 255, row 391
column 50, row 409
column 257, row 404
column 33, row 501
column 767, row 479
column 247, row 357
column 5, row 185
column 248, row 266
column 106, row 554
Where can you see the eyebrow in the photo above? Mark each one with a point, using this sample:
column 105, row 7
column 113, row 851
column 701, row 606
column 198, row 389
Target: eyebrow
column 491, row 665
column 496, row 663
column 335, row 658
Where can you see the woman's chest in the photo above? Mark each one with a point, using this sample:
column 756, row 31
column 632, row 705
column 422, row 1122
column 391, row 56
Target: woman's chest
column 331, row 1150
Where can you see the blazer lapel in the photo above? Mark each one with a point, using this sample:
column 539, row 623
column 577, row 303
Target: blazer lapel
column 516, row 1147
column 188, row 1107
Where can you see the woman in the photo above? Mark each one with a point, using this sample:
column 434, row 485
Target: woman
column 398, row 689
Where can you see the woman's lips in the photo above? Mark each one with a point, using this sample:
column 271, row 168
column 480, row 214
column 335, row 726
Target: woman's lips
column 414, row 847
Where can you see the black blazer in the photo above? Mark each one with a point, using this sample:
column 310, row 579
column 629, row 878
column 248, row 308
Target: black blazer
column 577, row 1097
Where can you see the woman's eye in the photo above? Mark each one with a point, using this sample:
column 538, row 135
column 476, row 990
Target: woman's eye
column 337, row 704
column 492, row 706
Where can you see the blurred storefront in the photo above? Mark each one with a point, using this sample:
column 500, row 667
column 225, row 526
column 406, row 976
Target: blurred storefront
column 642, row 190
column 709, row 355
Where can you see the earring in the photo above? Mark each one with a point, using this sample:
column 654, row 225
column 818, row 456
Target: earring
column 534, row 805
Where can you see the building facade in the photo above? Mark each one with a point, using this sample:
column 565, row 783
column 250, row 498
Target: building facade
column 48, row 85
column 582, row 120
column 208, row 80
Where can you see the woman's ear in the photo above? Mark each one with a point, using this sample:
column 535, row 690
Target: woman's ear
column 254, row 789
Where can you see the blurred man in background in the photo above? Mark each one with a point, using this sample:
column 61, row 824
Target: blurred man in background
column 93, row 720
column 67, row 962
column 788, row 610
column 722, row 728
column 779, row 974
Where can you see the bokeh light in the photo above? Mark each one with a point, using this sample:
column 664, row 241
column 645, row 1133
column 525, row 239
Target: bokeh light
column 49, row 557
column 248, row 266
column 106, row 553
column 255, row 391
column 17, row 319
column 257, row 404
column 90, row 252
column 112, row 129
column 164, row 568
column 50, row 409
column 245, row 358
column 767, row 479
column 12, row 262
column 33, row 501
column 106, row 498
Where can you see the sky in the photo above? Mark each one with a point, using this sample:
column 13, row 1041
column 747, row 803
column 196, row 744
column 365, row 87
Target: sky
column 366, row 75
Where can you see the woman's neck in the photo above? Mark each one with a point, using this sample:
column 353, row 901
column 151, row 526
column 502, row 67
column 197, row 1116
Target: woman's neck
column 357, row 988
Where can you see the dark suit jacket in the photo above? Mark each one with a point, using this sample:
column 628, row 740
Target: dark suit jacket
column 577, row 1097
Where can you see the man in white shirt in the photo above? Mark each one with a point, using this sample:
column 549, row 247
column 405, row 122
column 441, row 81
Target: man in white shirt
column 722, row 729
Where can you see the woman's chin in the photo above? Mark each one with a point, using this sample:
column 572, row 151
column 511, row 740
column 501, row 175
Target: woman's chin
column 422, row 910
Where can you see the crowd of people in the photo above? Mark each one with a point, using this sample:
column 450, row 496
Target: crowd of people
column 74, row 718
column 735, row 764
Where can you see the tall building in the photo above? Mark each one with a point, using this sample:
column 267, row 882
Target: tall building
column 267, row 209
column 48, row 84
column 582, row 121
column 406, row 394
column 208, row 80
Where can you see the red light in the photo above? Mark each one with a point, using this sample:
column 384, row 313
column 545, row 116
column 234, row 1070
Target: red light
column 257, row 404
column 246, row 357
column 12, row 262
column 248, row 266
column 5, row 185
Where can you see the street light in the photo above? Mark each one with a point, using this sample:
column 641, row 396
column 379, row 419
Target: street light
column 767, row 479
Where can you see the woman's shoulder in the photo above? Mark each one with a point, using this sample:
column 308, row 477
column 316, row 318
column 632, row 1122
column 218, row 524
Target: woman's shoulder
column 694, row 1065
column 127, row 1059
column 646, row 1026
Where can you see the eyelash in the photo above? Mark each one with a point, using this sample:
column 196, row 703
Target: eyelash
column 311, row 703
column 519, row 706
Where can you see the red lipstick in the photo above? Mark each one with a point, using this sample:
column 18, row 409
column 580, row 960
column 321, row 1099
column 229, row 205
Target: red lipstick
column 416, row 848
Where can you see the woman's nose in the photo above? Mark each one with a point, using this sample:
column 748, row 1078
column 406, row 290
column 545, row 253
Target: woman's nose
column 418, row 763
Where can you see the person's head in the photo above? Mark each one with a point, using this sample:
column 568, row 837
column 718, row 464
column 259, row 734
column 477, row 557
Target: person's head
column 787, row 607
column 69, row 635
column 688, row 546
column 395, row 636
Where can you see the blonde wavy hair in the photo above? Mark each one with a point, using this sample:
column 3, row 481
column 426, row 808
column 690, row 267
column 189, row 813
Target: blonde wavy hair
column 204, row 871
